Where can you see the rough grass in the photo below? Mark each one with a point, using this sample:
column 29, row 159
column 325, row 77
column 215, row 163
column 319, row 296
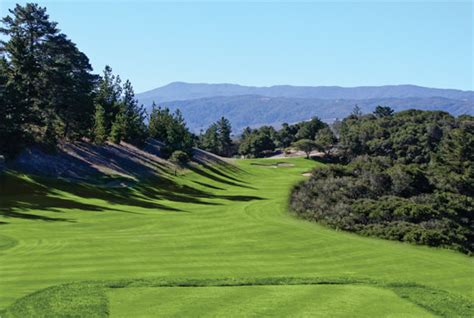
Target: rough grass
column 212, row 223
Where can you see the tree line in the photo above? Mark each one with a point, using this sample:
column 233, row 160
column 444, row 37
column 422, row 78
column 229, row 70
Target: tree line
column 259, row 142
column 48, row 93
column 406, row 176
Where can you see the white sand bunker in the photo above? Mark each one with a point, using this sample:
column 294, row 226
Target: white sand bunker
column 273, row 165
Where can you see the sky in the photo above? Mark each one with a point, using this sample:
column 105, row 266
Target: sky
column 153, row 43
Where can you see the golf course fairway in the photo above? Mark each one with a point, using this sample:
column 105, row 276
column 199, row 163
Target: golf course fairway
column 216, row 240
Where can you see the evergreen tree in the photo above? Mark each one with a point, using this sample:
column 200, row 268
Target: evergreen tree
column 159, row 120
column 224, row 130
column 209, row 141
column 49, row 83
column 309, row 129
column 325, row 139
column 133, row 117
column 67, row 87
column 100, row 131
column 383, row 111
column 108, row 96
column 171, row 130
column 119, row 128
column 257, row 143
column 285, row 136
column 27, row 29
column 356, row 111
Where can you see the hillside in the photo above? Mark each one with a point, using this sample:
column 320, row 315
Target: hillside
column 203, row 104
column 185, row 91
column 253, row 110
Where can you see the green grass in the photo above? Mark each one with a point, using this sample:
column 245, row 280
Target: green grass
column 215, row 223
column 261, row 301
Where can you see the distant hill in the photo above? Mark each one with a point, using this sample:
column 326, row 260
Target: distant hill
column 202, row 104
column 252, row 110
column 186, row 91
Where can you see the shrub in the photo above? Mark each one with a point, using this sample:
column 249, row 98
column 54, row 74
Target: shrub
column 180, row 158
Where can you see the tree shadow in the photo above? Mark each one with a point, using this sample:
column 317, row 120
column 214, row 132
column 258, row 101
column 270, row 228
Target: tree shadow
column 208, row 175
column 20, row 195
column 18, row 215
column 241, row 197
column 208, row 185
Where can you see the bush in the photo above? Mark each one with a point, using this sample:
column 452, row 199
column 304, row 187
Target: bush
column 180, row 158
column 370, row 196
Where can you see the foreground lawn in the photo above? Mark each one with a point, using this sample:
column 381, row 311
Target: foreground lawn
column 218, row 222
column 258, row 301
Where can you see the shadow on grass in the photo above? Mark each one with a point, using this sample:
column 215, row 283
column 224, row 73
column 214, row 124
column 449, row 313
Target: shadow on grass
column 208, row 185
column 20, row 196
column 216, row 178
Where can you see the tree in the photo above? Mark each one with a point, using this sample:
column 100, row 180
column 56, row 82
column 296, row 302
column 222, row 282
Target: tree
column 118, row 131
column 356, row 111
column 179, row 159
column 68, row 87
column 305, row 145
column 11, row 115
column 132, row 117
column 383, row 111
column 159, row 120
column 286, row 135
column 224, row 130
column 309, row 129
column 209, row 141
column 171, row 130
column 257, row 143
column 49, row 76
column 108, row 96
column 325, row 139
column 27, row 29
column 99, row 131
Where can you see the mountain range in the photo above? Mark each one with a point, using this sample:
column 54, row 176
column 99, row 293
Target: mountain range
column 202, row 104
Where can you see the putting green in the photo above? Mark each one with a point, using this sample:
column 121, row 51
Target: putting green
column 213, row 222
column 261, row 301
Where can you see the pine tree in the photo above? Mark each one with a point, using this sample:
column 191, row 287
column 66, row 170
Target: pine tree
column 171, row 130
column 224, row 130
column 108, row 96
column 135, row 130
column 50, row 84
column 27, row 29
column 11, row 116
column 158, row 123
column 100, row 131
column 210, row 139
column 119, row 128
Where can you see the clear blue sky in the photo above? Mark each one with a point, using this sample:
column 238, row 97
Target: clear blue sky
column 319, row 43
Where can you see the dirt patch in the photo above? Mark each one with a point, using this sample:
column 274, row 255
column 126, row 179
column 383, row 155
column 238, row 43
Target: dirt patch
column 86, row 161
